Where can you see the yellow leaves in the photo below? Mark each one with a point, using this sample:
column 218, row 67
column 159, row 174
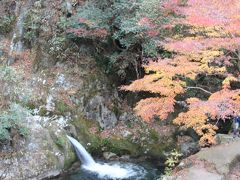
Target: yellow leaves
column 198, row 121
column 197, row 50
column 164, row 86
column 220, row 105
column 180, row 65
column 150, row 107
column 208, row 31
column 210, row 54
column 227, row 81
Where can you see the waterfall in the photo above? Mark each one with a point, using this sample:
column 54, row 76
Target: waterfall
column 106, row 170
column 82, row 154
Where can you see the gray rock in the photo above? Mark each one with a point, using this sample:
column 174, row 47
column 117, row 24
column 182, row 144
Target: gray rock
column 126, row 133
column 125, row 158
column 38, row 157
column 187, row 145
column 98, row 111
column 109, row 155
column 224, row 138
column 125, row 116
column 1, row 53
column 169, row 178
column 189, row 148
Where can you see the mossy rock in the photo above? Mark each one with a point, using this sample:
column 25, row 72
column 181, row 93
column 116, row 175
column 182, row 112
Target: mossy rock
column 96, row 145
column 61, row 108
column 62, row 144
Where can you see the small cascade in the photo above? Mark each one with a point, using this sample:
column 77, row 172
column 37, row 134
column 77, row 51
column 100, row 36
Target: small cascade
column 16, row 46
column 82, row 154
column 113, row 170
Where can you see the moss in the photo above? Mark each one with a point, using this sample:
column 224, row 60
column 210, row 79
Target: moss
column 42, row 111
column 154, row 135
column 122, row 146
column 60, row 142
column 52, row 159
column 98, row 144
column 154, row 144
column 70, row 158
column 61, row 107
column 31, row 105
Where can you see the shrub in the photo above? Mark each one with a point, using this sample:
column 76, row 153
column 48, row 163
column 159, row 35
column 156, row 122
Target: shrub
column 32, row 26
column 6, row 23
column 11, row 119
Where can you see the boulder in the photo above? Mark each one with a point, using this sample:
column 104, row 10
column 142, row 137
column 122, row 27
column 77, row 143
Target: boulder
column 39, row 156
column 187, row 145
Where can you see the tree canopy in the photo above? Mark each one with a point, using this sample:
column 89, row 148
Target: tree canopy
column 189, row 50
column 206, row 47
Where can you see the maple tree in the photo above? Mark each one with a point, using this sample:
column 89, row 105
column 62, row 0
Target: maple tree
column 206, row 45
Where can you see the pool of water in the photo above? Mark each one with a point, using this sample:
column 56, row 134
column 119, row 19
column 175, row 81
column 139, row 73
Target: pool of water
column 115, row 170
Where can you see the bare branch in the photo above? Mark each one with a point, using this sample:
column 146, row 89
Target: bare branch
column 208, row 92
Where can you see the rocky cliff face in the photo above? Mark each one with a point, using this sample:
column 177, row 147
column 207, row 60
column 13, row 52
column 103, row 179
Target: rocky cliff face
column 67, row 93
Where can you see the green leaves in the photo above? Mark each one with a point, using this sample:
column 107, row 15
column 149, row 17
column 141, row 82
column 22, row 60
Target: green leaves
column 6, row 23
column 172, row 160
column 14, row 118
column 126, row 31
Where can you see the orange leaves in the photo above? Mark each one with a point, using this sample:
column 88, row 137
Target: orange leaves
column 204, row 44
column 220, row 105
column 171, row 67
column 156, row 83
column 150, row 107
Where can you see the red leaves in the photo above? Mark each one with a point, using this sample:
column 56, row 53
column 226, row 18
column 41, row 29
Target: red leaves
column 189, row 45
column 224, row 13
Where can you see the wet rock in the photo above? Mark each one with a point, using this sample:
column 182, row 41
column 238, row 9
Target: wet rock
column 189, row 148
column 125, row 158
column 109, row 155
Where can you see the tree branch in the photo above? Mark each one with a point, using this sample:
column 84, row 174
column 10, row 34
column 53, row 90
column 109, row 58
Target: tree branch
column 199, row 89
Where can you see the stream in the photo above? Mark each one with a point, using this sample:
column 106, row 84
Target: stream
column 142, row 171
column 108, row 170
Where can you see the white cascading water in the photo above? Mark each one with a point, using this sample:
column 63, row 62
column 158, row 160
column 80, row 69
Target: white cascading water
column 82, row 154
column 114, row 171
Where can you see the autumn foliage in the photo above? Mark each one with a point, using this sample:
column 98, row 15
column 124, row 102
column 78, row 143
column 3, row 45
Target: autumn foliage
column 208, row 45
